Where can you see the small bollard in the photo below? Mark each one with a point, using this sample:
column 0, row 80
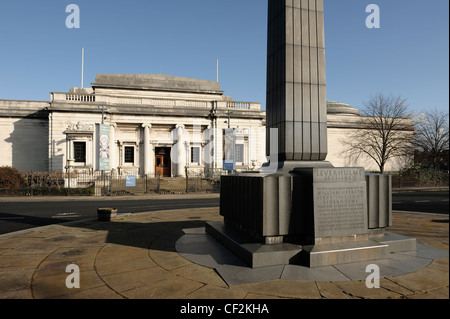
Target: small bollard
column 107, row 214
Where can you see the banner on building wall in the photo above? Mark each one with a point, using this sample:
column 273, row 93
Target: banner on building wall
column 104, row 151
column 229, row 162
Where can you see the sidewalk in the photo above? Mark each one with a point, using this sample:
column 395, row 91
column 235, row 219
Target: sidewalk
column 106, row 198
column 169, row 196
column 136, row 258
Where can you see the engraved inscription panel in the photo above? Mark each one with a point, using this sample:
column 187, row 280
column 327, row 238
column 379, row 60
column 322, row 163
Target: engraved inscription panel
column 324, row 175
column 340, row 209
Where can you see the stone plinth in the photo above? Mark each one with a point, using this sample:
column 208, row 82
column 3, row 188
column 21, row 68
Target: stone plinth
column 253, row 253
column 334, row 202
column 266, row 206
column 335, row 209
column 321, row 210
column 342, row 253
column 310, row 205
column 259, row 205
column 379, row 201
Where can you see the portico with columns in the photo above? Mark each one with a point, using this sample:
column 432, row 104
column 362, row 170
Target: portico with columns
column 151, row 119
column 158, row 126
column 147, row 149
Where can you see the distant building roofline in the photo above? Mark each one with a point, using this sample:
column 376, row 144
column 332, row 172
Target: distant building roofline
column 156, row 82
column 341, row 108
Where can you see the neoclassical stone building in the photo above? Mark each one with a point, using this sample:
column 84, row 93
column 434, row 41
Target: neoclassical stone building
column 156, row 124
column 147, row 125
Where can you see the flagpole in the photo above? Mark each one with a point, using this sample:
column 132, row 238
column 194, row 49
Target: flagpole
column 82, row 67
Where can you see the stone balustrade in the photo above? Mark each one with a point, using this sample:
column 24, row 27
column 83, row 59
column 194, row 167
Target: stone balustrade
column 107, row 99
column 238, row 105
column 80, row 97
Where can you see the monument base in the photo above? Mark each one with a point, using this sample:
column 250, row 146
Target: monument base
column 396, row 243
column 341, row 253
column 304, row 204
column 254, row 254
column 310, row 214
column 258, row 255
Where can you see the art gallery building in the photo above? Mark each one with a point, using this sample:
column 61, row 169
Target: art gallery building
column 151, row 124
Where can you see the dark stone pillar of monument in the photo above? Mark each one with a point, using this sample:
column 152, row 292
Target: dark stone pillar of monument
column 296, row 79
column 305, row 210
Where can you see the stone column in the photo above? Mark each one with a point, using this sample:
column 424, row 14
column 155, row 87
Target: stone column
column 319, row 209
column 147, row 148
column 113, row 148
column 152, row 159
column 296, row 83
column 71, row 150
column 178, row 151
column 208, row 149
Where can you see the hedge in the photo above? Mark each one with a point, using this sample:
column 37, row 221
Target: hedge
column 11, row 178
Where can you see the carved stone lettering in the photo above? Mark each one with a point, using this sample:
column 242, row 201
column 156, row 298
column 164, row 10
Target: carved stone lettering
column 340, row 209
column 339, row 175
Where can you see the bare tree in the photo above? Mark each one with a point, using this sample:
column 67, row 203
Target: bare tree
column 386, row 132
column 431, row 139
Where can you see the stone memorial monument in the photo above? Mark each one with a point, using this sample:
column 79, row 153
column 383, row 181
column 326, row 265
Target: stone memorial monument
column 305, row 211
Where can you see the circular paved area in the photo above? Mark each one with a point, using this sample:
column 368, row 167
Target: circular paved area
column 136, row 258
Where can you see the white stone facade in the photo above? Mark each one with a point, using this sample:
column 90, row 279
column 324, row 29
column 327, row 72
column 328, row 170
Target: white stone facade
column 24, row 135
column 147, row 115
column 157, row 125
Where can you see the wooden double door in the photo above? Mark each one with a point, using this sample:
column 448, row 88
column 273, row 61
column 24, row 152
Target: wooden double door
column 162, row 162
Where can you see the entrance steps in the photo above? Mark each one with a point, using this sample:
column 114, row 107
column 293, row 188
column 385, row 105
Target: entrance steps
column 169, row 185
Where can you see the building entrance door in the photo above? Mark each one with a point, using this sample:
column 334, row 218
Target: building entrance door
column 162, row 162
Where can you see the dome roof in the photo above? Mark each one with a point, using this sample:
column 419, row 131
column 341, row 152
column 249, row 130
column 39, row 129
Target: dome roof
column 341, row 108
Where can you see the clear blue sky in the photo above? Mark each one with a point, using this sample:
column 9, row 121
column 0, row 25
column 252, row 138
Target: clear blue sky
column 407, row 56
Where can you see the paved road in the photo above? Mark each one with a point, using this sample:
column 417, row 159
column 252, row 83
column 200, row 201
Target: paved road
column 421, row 201
column 17, row 215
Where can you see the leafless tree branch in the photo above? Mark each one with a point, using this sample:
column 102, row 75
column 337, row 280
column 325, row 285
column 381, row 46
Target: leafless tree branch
column 432, row 134
column 386, row 131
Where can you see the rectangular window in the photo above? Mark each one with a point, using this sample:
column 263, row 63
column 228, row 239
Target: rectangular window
column 239, row 153
column 79, row 150
column 129, row 154
column 195, row 154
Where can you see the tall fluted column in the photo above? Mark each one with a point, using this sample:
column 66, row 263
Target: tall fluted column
column 208, row 149
column 113, row 147
column 296, row 83
column 178, row 152
column 147, row 148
